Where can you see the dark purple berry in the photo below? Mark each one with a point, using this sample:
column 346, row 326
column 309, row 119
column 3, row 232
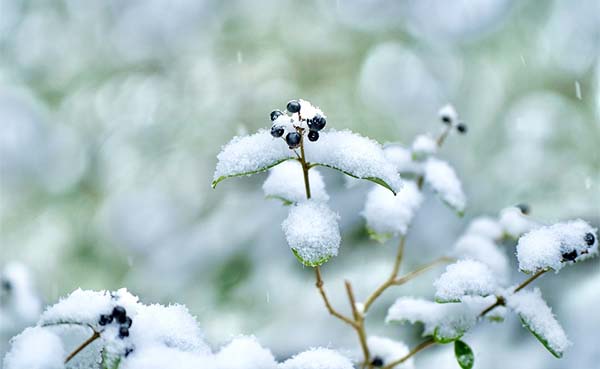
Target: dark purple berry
column 293, row 106
column 313, row 136
column 293, row 139
column 570, row 256
column 525, row 209
column 123, row 332
column 446, row 119
column 317, row 123
column 277, row 131
column 461, row 128
column 119, row 313
column 589, row 239
column 276, row 114
column 127, row 322
column 105, row 319
column 377, row 361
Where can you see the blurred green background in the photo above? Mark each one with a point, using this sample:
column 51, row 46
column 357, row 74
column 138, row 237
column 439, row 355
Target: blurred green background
column 112, row 113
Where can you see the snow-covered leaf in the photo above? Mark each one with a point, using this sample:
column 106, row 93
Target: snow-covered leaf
column 35, row 348
column 443, row 180
column 465, row 278
column 387, row 214
column 464, row 354
column 514, row 223
column 317, row 358
column 556, row 245
column 245, row 155
column 388, row 350
column 538, row 318
column 312, row 232
column 286, row 182
column 402, row 160
column 423, row 146
column 485, row 227
column 483, row 249
column 245, row 353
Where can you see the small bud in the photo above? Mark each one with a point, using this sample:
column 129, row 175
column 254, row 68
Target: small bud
column 293, row 106
column 589, row 239
column 293, row 139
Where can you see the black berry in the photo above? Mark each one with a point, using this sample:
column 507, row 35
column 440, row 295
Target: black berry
column 105, row 319
column 293, row 139
column 119, row 313
column 127, row 322
column 461, row 128
column 377, row 361
column 276, row 114
column 293, row 106
column 589, row 239
column 123, row 332
column 317, row 123
column 570, row 256
column 525, row 209
column 313, row 136
column 446, row 119
column 277, row 131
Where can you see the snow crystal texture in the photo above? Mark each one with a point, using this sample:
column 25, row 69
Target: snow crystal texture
column 35, row 348
column 318, row 358
column 286, row 182
column 465, row 278
column 480, row 248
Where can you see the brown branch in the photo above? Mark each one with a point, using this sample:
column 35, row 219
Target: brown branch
column 305, row 167
column 330, row 308
column 94, row 337
column 422, row 269
column 360, row 326
column 420, row 347
column 390, row 281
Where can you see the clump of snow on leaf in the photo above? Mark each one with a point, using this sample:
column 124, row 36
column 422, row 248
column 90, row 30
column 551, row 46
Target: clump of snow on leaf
column 465, row 278
column 485, row 227
column 388, row 351
column 547, row 247
column 538, row 318
column 312, row 231
column 245, row 353
column 21, row 305
column 423, row 146
column 161, row 357
column 286, row 182
column 389, row 214
column 317, row 358
column 448, row 112
column 443, row 180
column 355, row 155
column 402, row 160
column 35, row 348
column 515, row 223
column 250, row 154
column 480, row 248
column 308, row 110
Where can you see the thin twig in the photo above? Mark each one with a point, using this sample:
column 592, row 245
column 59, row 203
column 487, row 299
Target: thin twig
column 330, row 308
column 422, row 269
column 420, row 347
column 358, row 318
column 390, row 281
column 305, row 168
column 94, row 337
column 442, row 137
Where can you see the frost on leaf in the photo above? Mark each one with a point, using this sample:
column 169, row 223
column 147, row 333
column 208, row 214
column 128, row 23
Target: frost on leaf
column 537, row 317
column 286, row 183
column 354, row 155
column 443, row 180
column 317, row 358
column 388, row 215
column 35, row 348
column 402, row 160
column 387, row 351
column 445, row 322
column 514, row 223
column 423, row 146
column 250, row 154
column 556, row 245
column 245, row 353
column 465, row 278
column 312, row 232
column 480, row 248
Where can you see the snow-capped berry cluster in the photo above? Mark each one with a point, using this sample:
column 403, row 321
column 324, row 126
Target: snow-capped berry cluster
column 119, row 316
column 303, row 118
column 449, row 116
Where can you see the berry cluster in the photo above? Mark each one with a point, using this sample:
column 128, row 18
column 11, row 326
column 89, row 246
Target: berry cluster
column 589, row 240
column 449, row 117
column 303, row 117
column 119, row 315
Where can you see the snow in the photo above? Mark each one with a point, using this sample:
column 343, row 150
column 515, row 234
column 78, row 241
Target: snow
column 485, row 227
column 515, row 223
column 21, row 305
column 388, row 351
column 402, row 159
column 480, row 248
column 286, row 182
column 312, row 231
column 389, row 214
column 355, row 155
column 35, row 348
column 423, row 146
column 465, row 277
column 538, row 317
column 245, row 353
column 448, row 321
column 161, row 357
column 545, row 247
column 245, row 155
column 317, row 358
column 442, row 178
column 449, row 111
column 308, row 110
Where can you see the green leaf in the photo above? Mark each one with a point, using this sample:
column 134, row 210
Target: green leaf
column 540, row 338
column 376, row 180
column 443, row 339
column 379, row 237
column 110, row 362
column 285, row 201
column 310, row 263
column 262, row 169
column 464, row 354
